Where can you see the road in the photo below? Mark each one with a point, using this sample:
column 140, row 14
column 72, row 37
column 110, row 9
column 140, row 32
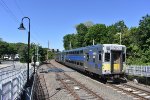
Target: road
column 10, row 65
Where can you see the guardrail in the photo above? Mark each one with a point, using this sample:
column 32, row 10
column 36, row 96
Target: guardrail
column 138, row 70
column 12, row 82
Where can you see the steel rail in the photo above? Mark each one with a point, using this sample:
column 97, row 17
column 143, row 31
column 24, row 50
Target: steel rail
column 128, row 92
column 79, row 84
column 148, row 92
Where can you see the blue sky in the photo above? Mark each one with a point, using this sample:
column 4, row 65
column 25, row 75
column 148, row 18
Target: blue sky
column 52, row 19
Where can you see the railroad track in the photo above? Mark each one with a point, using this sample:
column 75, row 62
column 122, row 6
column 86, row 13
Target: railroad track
column 137, row 93
column 78, row 90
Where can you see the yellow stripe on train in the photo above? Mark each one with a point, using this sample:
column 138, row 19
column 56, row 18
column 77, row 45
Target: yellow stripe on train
column 107, row 67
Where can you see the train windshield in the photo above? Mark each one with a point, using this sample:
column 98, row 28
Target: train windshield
column 107, row 57
column 123, row 57
column 116, row 57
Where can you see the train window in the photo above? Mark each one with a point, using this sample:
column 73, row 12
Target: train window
column 93, row 59
column 81, row 52
column 74, row 62
column 100, row 57
column 116, row 57
column 107, row 57
column 123, row 59
column 87, row 57
column 81, row 64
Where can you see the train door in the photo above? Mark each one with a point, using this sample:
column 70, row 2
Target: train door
column 99, row 59
column 87, row 59
column 116, row 61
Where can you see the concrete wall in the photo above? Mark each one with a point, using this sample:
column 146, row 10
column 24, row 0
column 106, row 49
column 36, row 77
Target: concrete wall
column 12, row 82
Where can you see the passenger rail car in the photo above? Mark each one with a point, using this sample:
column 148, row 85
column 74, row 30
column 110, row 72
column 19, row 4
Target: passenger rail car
column 106, row 60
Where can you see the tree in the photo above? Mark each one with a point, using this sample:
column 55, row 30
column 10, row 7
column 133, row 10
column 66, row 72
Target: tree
column 81, row 32
column 144, row 38
column 136, row 39
column 23, row 54
column 3, row 48
column 88, row 24
column 12, row 49
column 120, row 26
column 42, row 53
column 144, row 32
column 98, row 32
column 70, row 38
column 112, row 33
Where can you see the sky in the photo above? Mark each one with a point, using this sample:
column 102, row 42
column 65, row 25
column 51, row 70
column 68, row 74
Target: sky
column 53, row 19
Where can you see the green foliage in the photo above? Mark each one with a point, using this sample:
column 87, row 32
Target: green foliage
column 97, row 30
column 81, row 32
column 22, row 50
column 70, row 38
column 136, row 39
column 3, row 48
column 23, row 54
column 120, row 26
column 51, row 55
column 42, row 53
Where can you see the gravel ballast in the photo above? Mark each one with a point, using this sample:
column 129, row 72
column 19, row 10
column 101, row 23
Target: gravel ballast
column 57, row 92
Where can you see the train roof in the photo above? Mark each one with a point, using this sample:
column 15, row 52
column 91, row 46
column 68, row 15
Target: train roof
column 113, row 45
column 77, row 49
column 93, row 46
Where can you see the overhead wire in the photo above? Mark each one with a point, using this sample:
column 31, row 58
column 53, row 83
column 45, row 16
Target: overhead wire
column 6, row 8
column 17, row 5
column 13, row 16
column 22, row 13
column 35, row 36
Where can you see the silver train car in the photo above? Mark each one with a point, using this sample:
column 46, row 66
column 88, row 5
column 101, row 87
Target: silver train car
column 105, row 60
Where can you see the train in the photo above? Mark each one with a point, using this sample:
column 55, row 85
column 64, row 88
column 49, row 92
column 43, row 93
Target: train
column 108, row 61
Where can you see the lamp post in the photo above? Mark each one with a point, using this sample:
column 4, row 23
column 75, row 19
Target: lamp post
column 120, row 37
column 34, row 56
column 23, row 28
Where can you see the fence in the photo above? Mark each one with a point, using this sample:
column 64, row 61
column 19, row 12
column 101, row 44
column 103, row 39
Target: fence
column 39, row 90
column 12, row 81
column 138, row 70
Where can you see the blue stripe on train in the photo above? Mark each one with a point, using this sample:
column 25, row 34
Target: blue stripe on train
column 81, row 58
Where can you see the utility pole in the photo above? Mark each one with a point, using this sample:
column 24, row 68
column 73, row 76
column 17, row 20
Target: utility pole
column 70, row 45
column 47, row 50
column 93, row 41
column 120, row 37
